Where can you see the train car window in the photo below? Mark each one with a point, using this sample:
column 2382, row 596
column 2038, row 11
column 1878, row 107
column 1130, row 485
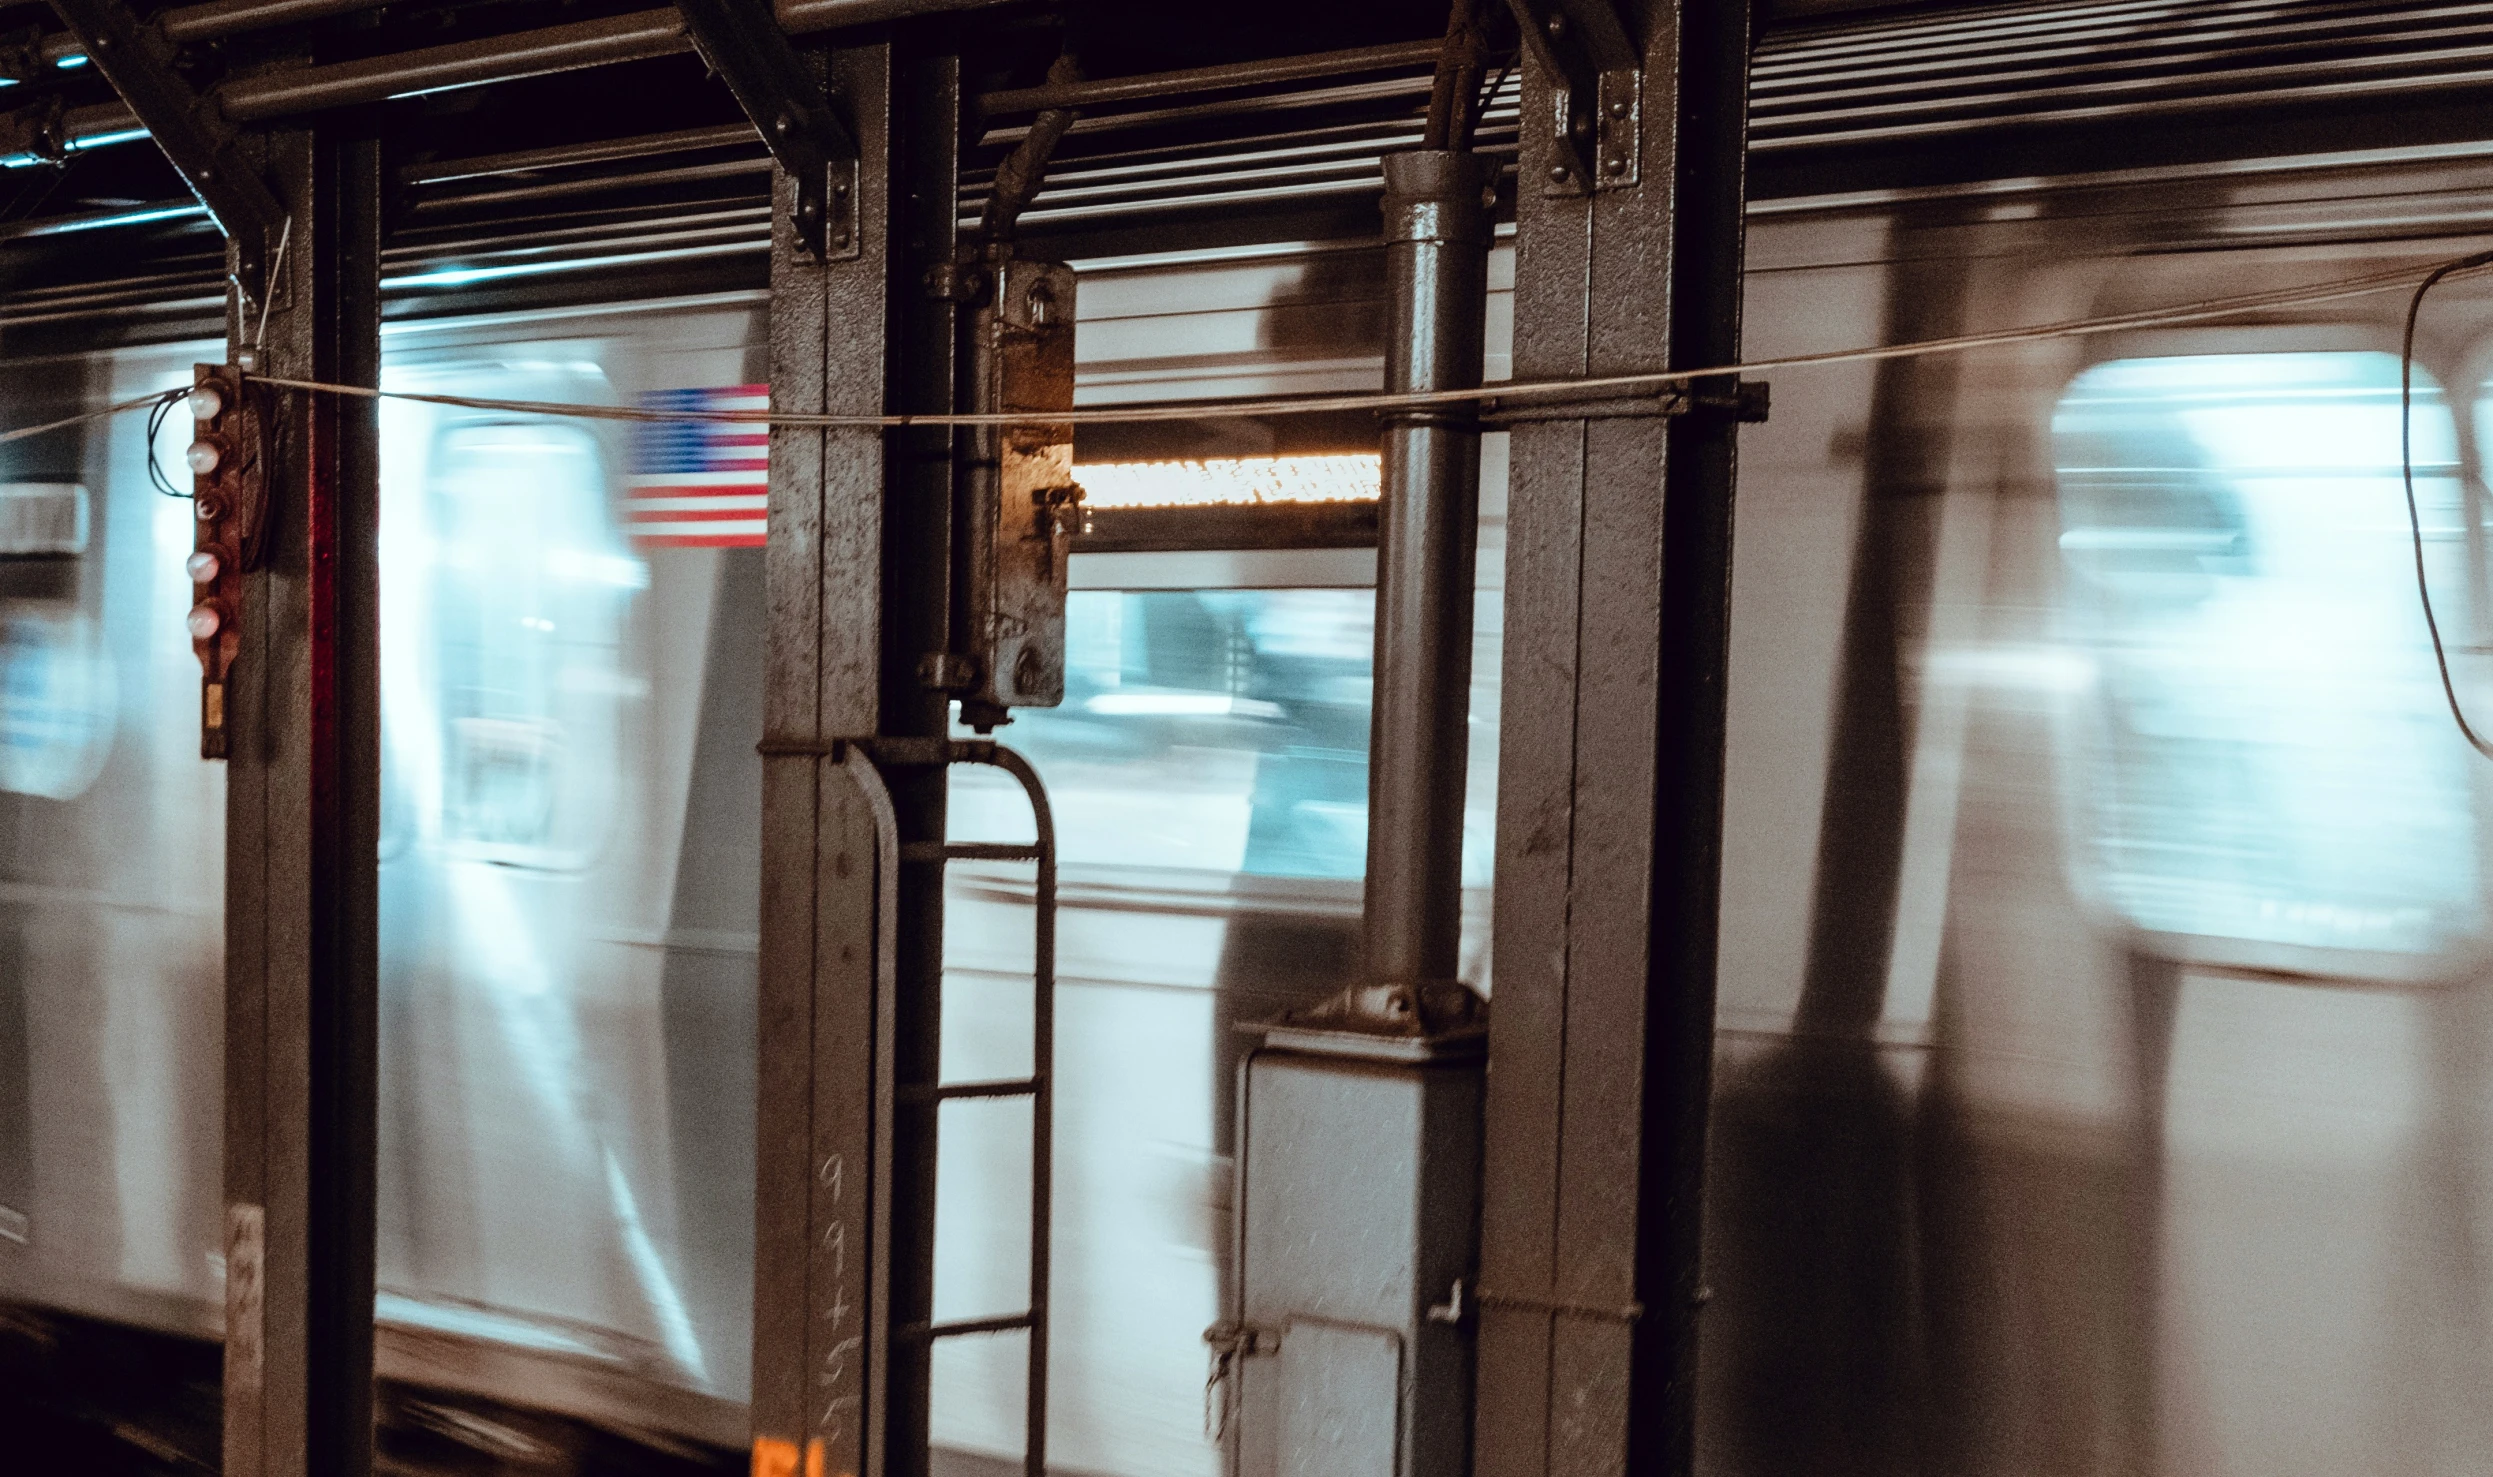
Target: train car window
column 58, row 687
column 2267, row 768
column 527, row 583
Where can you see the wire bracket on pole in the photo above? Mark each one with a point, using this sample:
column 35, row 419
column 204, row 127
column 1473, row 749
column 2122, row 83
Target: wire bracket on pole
column 740, row 40
column 193, row 132
column 1595, row 119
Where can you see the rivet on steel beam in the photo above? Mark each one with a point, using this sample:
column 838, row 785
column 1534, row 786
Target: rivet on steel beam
column 1615, row 164
column 1559, row 174
column 1618, row 107
column 1557, row 26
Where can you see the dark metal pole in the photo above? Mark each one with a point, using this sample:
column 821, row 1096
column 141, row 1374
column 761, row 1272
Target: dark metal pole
column 1610, row 786
column 302, row 836
column 1437, row 206
column 852, row 881
column 917, row 595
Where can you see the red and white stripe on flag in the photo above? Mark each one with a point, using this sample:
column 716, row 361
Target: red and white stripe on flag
column 700, row 484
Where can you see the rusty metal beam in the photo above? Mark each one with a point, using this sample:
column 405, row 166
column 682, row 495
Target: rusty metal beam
column 780, row 95
column 636, row 36
column 1610, row 788
column 193, row 133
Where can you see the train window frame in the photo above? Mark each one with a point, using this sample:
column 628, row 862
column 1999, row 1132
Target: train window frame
column 2444, row 363
column 416, row 807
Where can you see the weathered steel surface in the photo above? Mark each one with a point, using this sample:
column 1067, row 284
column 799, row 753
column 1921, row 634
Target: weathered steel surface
column 821, row 1252
column 852, row 923
column 1610, row 794
column 302, row 842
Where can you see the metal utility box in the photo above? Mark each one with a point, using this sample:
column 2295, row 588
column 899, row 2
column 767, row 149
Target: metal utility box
column 1348, row 1353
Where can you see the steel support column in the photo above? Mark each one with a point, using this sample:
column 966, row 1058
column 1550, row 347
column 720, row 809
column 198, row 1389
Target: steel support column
column 851, row 942
column 917, row 601
column 1610, row 792
column 301, row 845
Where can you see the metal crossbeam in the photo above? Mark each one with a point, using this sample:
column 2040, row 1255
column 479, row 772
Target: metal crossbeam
column 741, row 41
column 192, row 131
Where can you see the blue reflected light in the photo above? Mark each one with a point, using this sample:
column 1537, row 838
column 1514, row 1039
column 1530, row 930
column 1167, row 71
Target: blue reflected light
column 466, row 276
column 2268, row 759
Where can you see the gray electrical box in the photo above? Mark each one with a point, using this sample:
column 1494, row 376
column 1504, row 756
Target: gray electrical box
column 1348, row 1350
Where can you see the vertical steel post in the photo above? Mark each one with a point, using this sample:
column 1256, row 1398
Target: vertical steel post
column 820, row 1312
column 917, row 595
column 303, row 783
column 1610, row 791
column 1437, row 264
column 852, row 935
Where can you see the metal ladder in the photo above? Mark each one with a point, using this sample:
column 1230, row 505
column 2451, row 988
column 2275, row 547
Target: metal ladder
column 1039, row 1086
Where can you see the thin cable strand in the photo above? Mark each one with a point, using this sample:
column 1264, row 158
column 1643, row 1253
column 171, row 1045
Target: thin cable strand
column 65, row 422
column 1621, row 386
column 2406, row 467
column 155, row 425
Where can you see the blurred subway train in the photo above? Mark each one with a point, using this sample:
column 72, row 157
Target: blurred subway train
column 2105, row 1064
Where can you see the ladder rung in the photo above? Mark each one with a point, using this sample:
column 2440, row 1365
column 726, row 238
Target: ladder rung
column 970, row 851
column 914, row 1332
column 1001, row 1087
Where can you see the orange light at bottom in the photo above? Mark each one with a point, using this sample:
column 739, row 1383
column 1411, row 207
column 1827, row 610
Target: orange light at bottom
column 773, row 1457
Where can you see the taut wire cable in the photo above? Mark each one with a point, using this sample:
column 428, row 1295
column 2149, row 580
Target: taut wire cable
column 1617, row 386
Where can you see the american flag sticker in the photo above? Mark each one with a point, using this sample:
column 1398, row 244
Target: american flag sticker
column 700, row 484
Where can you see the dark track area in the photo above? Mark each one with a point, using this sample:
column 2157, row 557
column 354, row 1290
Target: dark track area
column 84, row 1397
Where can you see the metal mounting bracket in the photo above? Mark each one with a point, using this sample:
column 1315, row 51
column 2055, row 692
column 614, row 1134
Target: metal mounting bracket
column 740, row 40
column 192, row 131
column 1595, row 117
